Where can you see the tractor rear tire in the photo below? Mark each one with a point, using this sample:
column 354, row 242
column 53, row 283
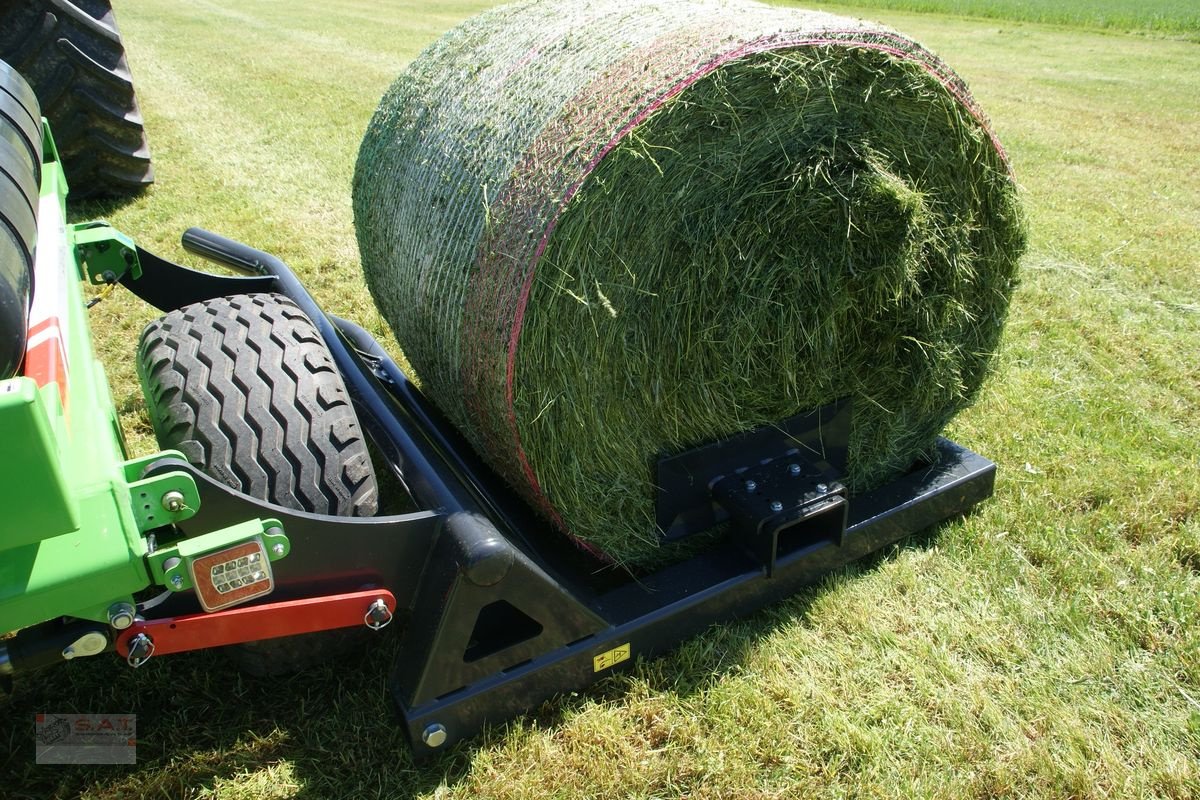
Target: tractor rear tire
column 70, row 51
column 20, row 165
column 246, row 389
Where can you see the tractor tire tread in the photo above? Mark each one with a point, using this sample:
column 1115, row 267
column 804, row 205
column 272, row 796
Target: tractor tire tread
column 71, row 53
column 20, row 162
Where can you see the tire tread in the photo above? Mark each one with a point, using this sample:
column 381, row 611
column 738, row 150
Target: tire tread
column 72, row 55
column 245, row 387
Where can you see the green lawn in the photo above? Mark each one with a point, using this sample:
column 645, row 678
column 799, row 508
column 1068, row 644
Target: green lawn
column 1173, row 17
column 1047, row 645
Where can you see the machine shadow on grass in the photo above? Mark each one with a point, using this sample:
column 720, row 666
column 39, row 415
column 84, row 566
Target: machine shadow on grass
column 200, row 722
column 98, row 207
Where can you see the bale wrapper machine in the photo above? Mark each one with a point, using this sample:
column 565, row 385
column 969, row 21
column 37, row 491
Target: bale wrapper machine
column 104, row 553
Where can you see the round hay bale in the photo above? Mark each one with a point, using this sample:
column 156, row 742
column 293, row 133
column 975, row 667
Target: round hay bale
column 603, row 232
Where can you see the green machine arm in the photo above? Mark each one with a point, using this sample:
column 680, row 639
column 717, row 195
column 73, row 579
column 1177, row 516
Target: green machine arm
column 78, row 538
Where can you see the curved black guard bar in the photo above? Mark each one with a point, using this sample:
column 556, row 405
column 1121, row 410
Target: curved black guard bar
column 395, row 426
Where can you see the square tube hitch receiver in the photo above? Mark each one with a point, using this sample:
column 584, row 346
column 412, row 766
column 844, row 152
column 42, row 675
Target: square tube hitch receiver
column 778, row 485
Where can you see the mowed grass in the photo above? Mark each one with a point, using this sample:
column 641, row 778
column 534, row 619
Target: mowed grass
column 1047, row 645
column 1171, row 17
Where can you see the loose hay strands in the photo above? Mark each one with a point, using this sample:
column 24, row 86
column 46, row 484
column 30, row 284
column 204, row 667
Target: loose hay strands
column 630, row 229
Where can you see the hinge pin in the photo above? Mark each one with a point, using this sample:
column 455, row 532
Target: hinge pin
column 378, row 616
column 173, row 501
column 141, row 647
column 120, row 615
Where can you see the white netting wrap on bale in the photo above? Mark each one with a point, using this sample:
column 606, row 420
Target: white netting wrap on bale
column 608, row 231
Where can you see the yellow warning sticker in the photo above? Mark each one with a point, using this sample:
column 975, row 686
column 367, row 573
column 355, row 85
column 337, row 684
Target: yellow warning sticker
column 611, row 658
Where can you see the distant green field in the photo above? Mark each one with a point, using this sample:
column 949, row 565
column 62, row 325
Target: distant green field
column 1174, row 17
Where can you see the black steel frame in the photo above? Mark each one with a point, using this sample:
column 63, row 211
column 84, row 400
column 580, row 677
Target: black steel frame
column 502, row 613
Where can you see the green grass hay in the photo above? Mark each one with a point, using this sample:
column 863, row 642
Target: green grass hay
column 612, row 231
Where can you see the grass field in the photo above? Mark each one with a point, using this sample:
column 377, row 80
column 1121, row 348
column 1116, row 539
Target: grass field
column 1171, row 17
column 1047, row 645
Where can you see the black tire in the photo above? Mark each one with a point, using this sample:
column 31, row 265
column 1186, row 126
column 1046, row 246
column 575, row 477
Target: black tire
column 20, row 160
column 71, row 53
column 246, row 389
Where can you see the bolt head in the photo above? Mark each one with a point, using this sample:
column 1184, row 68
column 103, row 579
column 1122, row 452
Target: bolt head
column 173, row 501
column 751, row 486
column 776, row 505
column 794, row 469
column 822, row 487
column 277, row 548
column 434, row 735
column 120, row 615
column 177, row 581
column 68, row 652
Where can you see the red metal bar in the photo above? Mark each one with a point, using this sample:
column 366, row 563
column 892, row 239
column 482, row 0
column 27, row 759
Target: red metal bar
column 46, row 355
column 46, row 351
column 251, row 623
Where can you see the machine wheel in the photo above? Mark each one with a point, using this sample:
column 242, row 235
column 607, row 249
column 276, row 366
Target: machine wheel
column 246, row 389
column 71, row 53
